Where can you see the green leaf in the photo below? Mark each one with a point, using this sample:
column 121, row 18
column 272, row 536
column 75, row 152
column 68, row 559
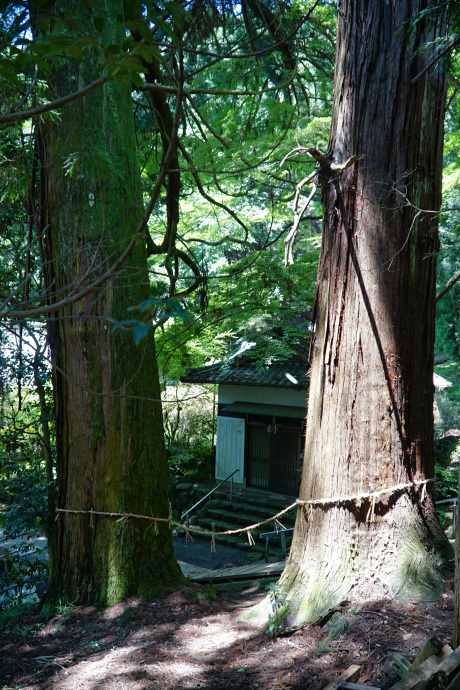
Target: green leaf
column 132, row 8
column 75, row 52
column 21, row 61
column 42, row 23
column 140, row 330
column 137, row 79
column 126, row 323
column 127, row 43
column 132, row 63
column 177, row 12
column 98, row 23
column 41, row 62
column 60, row 41
column 140, row 28
column 146, row 305
column 122, row 77
column 167, row 29
column 113, row 69
column 10, row 76
column 86, row 41
column 146, row 52
column 87, row 4
column 176, row 310
column 113, row 48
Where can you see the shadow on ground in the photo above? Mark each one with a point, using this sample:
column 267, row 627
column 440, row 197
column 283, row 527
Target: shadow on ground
column 190, row 639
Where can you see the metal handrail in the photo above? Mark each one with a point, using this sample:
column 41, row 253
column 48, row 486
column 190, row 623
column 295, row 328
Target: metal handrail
column 276, row 531
column 209, row 493
column 281, row 533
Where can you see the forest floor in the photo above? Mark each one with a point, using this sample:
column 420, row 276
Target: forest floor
column 192, row 638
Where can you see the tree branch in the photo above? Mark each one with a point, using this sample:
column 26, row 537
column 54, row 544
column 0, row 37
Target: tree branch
column 46, row 309
column 448, row 286
column 10, row 118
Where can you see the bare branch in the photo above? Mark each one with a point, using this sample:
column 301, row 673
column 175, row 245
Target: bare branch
column 292, row 235
column 217, row 243
column 336, row 167
column 294, row 152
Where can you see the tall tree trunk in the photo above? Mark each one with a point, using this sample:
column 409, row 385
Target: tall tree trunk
column 370, row 416
column 109, row 432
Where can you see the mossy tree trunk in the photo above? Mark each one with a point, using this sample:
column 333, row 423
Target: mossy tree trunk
column 110, row 446
column 370, row 416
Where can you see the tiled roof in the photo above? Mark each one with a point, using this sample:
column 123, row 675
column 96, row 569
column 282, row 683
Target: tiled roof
column 246, row 373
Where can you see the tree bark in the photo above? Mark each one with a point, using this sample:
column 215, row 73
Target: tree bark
column 370, row 415
column 109, row 431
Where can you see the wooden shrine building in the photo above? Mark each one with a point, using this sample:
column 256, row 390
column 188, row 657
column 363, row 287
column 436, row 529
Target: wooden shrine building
column 260, row 420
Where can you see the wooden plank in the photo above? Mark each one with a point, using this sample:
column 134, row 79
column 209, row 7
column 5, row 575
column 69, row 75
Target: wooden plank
column 445, row 652
column 425, row 670
column 351, row 674
column 354, row 686
column 400, row 664
column 455, row 683
column 431, row 648
column 190, row 570
column 438, row 681
column 451, row 665
column 241, row 572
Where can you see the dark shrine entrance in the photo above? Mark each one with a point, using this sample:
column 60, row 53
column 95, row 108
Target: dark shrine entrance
column 274, row 455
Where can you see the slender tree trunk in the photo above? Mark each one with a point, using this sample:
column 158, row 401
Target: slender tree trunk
column 370, row 416
column 48, row 457
column 109, row 431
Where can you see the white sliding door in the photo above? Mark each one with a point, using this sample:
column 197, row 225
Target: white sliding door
column 230, row 448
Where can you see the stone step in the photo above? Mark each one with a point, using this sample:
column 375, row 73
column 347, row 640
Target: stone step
column 274, row 503
column 257, row 512
column 237, row 518
column 227, row 539
column 240, row 518
column 211, row 524
column 255, row 551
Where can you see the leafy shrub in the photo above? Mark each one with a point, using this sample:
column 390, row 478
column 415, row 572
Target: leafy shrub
column 188, row 424
column 23, row 575
column 23, row 498
column 195, row 461
column 446, row 482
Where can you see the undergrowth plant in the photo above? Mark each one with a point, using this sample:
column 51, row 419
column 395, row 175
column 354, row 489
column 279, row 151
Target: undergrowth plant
column 23, row 518
column 278, row 594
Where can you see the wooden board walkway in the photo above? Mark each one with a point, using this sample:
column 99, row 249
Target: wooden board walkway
column 240, row 572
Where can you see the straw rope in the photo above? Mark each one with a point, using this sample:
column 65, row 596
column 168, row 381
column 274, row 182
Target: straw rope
column 373, row 496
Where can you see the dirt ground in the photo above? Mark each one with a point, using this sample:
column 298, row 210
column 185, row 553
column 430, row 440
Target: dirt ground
column 198, row 552
column 190, row 640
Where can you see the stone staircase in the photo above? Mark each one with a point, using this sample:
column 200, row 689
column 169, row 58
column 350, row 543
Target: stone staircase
column 247, row 507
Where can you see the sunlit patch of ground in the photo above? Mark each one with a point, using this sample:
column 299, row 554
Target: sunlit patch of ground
column 185, row 642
